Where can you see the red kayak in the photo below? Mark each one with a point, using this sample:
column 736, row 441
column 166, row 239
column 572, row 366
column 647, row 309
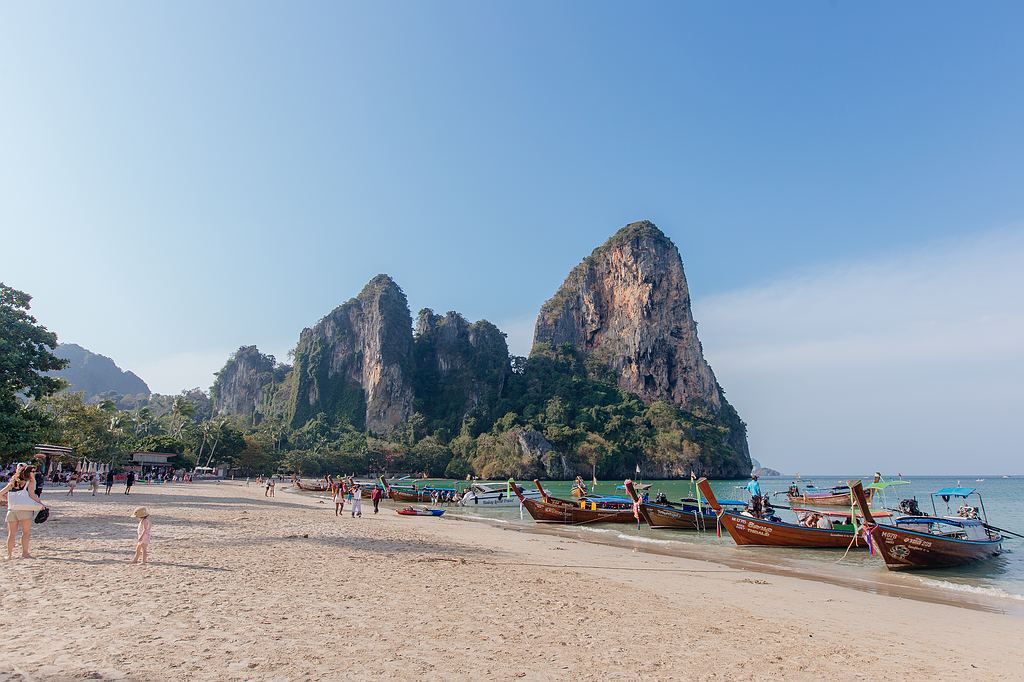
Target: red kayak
column 420, row 511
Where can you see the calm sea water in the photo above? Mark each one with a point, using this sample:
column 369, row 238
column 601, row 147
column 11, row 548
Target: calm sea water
column 1001, row 577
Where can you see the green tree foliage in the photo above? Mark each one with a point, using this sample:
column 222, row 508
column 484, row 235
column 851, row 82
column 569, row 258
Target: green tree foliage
column 25, row 354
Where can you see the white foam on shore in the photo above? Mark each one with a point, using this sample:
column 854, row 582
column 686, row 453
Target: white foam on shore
column 653, row 541
column 591, row 529
column 972, row 589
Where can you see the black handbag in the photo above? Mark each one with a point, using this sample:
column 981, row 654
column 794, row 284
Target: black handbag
column 42, row 515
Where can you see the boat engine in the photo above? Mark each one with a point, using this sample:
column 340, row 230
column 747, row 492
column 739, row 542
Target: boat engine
column 910, row 507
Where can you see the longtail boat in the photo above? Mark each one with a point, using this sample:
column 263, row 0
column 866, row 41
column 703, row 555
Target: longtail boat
column 690, row 514
column 836, row 496
column 318, row 487
column 748, row 530
column 916, row 542
column 586, row 510
column 411, row 494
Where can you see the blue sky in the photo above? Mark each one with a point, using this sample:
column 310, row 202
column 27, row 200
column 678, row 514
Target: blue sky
column 179, row 180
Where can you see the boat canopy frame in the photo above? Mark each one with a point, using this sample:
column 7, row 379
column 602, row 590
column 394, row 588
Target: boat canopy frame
column 963, row 493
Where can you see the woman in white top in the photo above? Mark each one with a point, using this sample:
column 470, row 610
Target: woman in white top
column 22, row 505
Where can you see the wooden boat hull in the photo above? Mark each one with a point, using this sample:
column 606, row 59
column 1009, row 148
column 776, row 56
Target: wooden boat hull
column 659, row 516
column 555, row 512
column 905, row 550
column 746, row 530
column 408, row 496
column 313, row 488
column 837, row 500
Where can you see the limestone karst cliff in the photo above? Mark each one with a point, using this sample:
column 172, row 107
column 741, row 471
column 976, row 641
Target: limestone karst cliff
column 627, row 305
column 616, row 379
column 626, row 309
column 240, row 387
column 461, row 367
column 356, row 363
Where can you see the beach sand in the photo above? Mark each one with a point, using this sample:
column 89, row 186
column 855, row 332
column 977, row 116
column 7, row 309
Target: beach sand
column 245, row 587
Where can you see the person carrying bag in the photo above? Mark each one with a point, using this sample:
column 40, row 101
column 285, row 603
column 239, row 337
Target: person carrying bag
column 22, row 505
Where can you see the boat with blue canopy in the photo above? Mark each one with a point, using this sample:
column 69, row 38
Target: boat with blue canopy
column 919, row 541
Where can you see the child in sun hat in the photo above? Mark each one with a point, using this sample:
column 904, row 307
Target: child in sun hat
column 145, row 534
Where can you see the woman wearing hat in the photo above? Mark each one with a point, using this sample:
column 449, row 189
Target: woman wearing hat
column 22, row 505
column 145, row 534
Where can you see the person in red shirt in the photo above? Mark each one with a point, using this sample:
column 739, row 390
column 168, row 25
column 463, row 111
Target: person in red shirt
column 375, row 498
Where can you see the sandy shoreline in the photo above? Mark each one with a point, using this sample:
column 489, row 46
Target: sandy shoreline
column 242, row 587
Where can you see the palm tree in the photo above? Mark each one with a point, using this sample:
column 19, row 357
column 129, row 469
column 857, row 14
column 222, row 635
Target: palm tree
column 181, row 412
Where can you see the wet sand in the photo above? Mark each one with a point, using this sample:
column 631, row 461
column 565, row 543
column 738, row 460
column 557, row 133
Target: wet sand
column 245, row 587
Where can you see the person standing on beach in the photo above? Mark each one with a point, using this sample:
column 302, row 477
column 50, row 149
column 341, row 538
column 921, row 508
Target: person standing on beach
column 375, row 498
column 144, row 534
column 357, row 501
column 72, row 482
column 128, row 481
column 22, row 505
column 110, row 480
column 94, row 482
column 270, row 486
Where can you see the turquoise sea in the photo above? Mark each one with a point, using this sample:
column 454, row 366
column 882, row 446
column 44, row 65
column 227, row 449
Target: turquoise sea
column 1000, row 580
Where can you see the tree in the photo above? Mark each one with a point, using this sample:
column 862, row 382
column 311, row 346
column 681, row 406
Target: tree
column 25, row 354
column 86, row 428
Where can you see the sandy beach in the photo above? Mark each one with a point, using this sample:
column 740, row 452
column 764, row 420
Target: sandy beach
column 244, row 587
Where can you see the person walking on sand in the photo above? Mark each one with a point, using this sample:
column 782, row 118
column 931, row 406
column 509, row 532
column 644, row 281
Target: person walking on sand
column 339, row 500
column 357, row 501
column 270, row 486
column 144, row 535
column 128, row 482
column 375, row 498
column 72, row 482
column 110, row 481
column 94, row 482
column 22, row 505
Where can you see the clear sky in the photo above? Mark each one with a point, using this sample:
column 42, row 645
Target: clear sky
column 181, row 179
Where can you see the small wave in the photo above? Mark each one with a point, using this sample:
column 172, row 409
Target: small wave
column 635, row 538
column 473, row 517
column 972, row 589
column 591, row 529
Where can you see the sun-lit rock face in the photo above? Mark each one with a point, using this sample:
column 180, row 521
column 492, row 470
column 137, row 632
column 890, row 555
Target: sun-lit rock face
column 628, row 307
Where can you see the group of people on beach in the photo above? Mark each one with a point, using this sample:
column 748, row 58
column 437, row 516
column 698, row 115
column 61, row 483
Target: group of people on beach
column 21, row 495
column 268, row 484
column 342, row 489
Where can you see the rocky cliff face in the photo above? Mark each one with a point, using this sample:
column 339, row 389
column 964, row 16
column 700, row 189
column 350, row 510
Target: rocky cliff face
column 627, row 305
column 356, row 363
column 626, row 310
column 460, row 367
column 238, row 387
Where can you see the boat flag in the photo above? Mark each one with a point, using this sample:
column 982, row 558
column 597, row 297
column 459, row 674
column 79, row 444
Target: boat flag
column 636, row 503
